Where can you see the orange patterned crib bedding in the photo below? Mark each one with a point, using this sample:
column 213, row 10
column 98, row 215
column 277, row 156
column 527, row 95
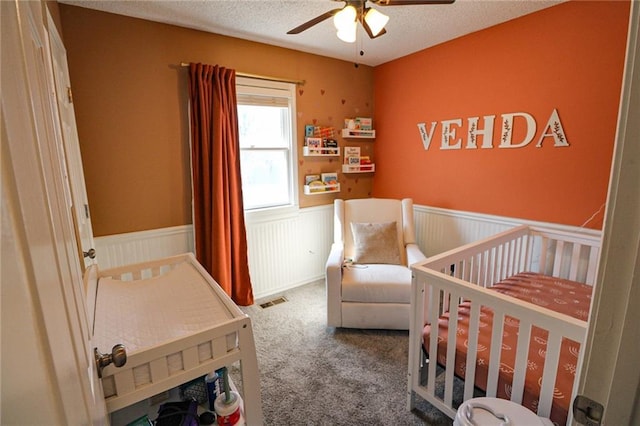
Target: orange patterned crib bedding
column 560, row 295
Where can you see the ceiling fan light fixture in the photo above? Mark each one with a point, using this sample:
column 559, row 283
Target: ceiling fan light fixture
column 348, row 32
column 343, row 19
column 375, row 20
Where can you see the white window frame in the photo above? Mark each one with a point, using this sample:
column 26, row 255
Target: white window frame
column 252, row 86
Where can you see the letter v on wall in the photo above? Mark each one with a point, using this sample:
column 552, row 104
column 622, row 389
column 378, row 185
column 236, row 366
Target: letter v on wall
column 426, row 136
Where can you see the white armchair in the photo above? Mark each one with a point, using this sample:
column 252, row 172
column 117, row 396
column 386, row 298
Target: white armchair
column 368, row 278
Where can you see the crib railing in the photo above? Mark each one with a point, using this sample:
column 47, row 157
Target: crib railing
column 442, row 282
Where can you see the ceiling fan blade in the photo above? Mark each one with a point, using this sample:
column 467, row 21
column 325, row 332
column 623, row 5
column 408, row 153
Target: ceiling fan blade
column 313, row 22
column 409, row 2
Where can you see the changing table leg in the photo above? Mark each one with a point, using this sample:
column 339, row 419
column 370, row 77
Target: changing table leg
column 250, row 376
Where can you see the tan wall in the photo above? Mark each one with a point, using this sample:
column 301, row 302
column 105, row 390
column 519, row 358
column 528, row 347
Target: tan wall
column 130, row 97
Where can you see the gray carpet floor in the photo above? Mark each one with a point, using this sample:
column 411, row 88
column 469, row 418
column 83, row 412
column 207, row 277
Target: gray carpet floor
column 311, row 374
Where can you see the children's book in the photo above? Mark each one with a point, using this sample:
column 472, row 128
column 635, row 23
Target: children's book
column 329, row 178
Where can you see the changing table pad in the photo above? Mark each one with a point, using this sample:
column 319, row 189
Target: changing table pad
column 148, row 312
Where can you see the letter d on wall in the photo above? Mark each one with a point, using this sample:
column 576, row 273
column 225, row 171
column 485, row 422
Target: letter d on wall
column 507, row 130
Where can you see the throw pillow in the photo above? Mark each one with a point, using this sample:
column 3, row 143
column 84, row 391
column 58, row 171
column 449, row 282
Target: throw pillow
column 375, row 243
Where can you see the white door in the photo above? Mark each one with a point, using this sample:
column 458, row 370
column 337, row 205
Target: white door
column 610, row 373
column 48, row 375
column 71, row 146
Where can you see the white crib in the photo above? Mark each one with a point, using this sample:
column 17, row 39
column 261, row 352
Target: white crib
column 466, row 275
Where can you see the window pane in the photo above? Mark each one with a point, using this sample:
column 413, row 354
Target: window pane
column 265, row 178
column 263, row 126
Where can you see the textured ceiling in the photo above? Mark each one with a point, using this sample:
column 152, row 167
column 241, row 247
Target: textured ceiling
column 410, row 28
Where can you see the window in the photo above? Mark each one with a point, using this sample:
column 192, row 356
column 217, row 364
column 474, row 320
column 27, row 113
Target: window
column 266, row 112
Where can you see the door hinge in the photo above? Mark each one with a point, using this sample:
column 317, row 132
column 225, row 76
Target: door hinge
column 86, row 211
column 69, row 95
column 587, row 411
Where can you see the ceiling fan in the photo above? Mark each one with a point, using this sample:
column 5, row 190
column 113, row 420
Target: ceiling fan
column 354, row 11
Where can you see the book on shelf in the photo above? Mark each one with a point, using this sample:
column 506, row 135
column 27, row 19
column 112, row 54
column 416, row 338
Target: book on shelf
column 324, row 132
column 353, row 161
column 311, row 178
column 358, row 123
column 314, row 145
column 329, row 178
column 316, row 186
column 351, row 154
column 364, row 123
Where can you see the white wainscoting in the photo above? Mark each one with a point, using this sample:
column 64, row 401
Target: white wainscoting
column 439, row 230
column 286, row 251
column 134, row 247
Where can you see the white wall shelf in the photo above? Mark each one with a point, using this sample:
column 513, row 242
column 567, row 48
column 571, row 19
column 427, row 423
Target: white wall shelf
column 362, row 168
column 321, row 189
column 321, row 152
column 358, row 134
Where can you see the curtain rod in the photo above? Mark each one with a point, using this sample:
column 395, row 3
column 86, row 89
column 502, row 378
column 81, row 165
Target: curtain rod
column 260, row 77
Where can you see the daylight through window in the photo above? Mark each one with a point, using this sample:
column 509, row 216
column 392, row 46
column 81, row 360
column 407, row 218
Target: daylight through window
column 265, row 120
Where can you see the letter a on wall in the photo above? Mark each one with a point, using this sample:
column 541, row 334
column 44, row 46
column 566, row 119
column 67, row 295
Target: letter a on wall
column 555, row 130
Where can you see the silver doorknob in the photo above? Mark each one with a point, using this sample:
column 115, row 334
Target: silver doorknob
column 118, row 357
column 91, row 254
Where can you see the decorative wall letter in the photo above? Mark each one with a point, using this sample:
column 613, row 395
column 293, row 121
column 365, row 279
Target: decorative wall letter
column 554, row 125
column 449, row 132
column 450, row 141
column 487, row 133
column 507, row 130
column 426, row 137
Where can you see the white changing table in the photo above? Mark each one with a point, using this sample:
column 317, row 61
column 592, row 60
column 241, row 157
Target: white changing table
column 177, row 325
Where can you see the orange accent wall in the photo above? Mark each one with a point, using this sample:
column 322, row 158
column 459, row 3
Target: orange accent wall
column 569, row 57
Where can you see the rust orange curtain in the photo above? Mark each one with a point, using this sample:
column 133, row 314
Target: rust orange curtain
column 220, row 236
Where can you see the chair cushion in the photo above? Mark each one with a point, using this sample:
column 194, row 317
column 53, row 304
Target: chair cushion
column 376, row 284
column 375, row 243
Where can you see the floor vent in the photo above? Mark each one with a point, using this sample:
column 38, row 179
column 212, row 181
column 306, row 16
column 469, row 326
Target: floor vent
column 273, row 302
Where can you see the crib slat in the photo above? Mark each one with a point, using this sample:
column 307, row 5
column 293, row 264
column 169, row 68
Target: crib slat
column 520, row 254
column 542, row 266
column 451, row 349
column 575, row 262
column 483, row 269
column 549, row 374
column 496, row 349
column 557, row 261
column 592, row 269
column 472, row 350
column 528, row 250
column 522, row 352
column 434, row 313
column 503, row 260
column 509, row 269
column 496, row 265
